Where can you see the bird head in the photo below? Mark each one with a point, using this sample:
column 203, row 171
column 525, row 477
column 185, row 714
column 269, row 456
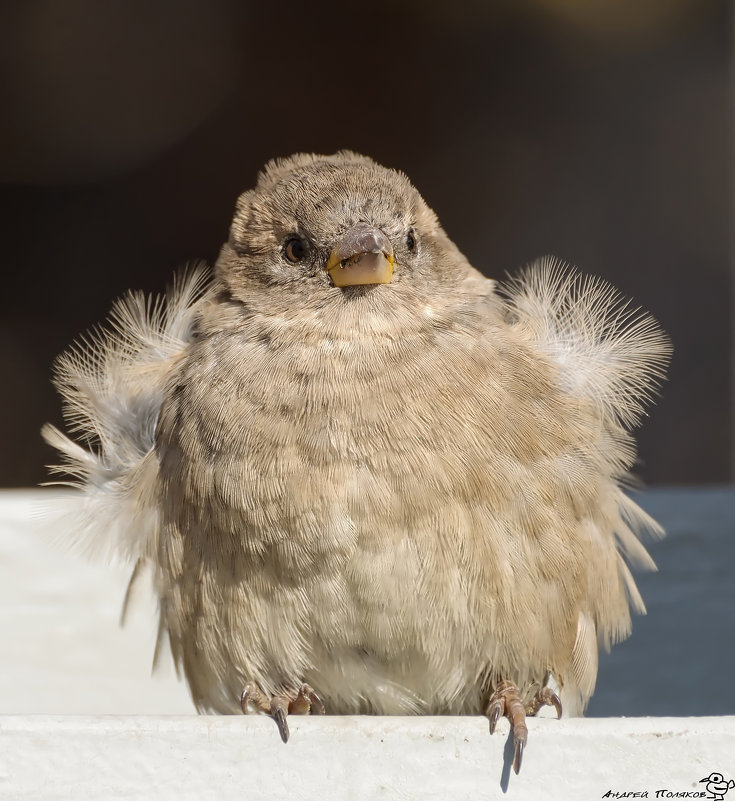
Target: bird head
column 337, row 226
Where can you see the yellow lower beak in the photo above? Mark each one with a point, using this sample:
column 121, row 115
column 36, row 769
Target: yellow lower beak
column 362, row 255
column 362, row 268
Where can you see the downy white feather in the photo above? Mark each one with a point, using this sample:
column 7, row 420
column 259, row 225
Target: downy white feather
column 605, row 348
column 112, row 385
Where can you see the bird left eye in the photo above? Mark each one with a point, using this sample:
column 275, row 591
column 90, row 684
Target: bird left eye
column 411, row 241
column 294, row 249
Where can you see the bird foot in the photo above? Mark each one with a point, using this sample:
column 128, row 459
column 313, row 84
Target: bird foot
column 506, row 700
column 295, row 702
column 544, row 697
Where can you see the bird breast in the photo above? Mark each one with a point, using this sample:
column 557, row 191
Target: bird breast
column 402, row 484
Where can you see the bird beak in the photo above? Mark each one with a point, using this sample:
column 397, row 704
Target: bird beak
column 363, row 255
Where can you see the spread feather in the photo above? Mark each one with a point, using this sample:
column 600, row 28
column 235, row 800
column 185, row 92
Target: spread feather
column 606, row 349
column 112, row 383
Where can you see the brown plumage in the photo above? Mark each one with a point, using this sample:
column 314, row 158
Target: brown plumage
column 403, row 492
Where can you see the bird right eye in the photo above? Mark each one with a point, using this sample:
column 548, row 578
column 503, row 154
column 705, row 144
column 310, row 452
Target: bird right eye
column 294, row 249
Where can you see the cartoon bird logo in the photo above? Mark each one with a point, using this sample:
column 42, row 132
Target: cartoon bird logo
column 717, row 786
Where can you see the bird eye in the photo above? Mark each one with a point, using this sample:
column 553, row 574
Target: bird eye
column 411, row 241
column 294, row 249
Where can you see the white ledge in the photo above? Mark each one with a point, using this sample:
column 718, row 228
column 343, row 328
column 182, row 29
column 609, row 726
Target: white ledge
column 76, row 757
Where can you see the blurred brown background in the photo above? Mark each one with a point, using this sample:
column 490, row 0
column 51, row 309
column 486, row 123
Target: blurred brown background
column 599, row 132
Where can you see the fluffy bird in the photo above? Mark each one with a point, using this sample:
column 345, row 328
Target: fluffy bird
column 367, row 478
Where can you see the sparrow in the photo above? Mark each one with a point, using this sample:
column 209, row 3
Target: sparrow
column 367, row 478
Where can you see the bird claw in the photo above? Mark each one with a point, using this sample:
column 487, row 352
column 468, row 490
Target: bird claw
column 495, row 708
column 518, row 745
column 545, row 697
column 279, row 711
column 506, row 700
column 305, row 700
column 280, row 706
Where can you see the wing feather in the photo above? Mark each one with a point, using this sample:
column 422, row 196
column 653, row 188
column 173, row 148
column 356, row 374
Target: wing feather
column 112, row 383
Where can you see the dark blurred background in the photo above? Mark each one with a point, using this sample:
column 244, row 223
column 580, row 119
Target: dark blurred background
column 599, row 132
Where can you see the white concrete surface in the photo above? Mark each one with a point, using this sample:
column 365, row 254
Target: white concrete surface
column 355, row 758
column 62, row 650
column 81, row 717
